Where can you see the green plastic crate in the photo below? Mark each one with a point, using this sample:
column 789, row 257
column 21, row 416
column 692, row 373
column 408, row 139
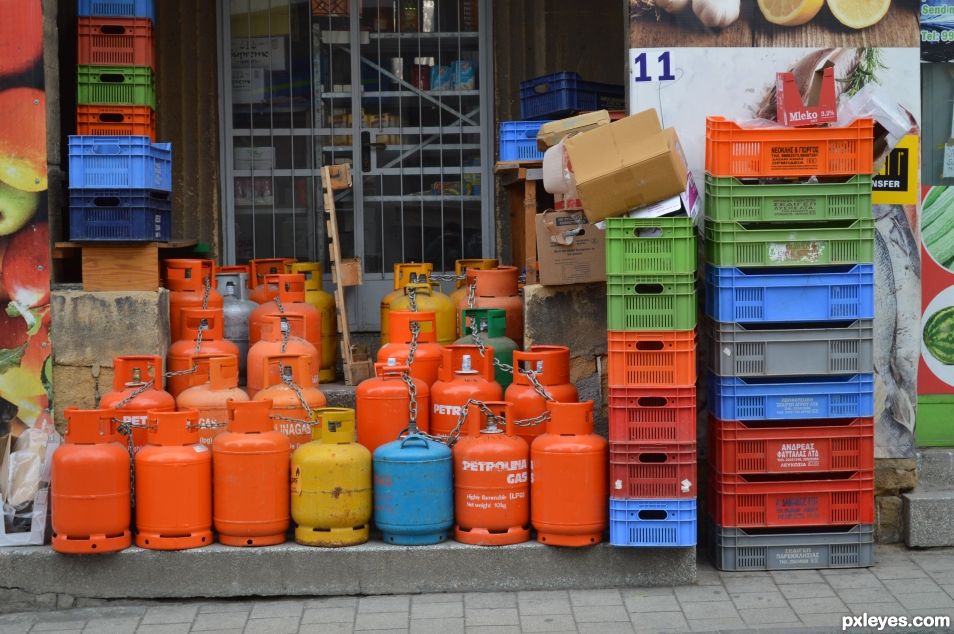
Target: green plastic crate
column 799, row 244
column 729, row 199
column 651, row 302
column 650, row 246
column 115, row 85
column 935, row 420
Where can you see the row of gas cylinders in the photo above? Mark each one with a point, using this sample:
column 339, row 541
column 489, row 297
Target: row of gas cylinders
column 490, row 489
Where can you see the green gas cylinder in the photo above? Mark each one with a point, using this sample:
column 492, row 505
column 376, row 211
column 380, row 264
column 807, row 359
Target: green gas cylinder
column 490, row 324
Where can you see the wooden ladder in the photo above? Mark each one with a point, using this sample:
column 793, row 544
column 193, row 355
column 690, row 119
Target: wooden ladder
column 356, row 360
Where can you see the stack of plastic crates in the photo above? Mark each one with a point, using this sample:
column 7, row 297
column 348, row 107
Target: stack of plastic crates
column 651, row 311
column 790, row 308
column 116, row 98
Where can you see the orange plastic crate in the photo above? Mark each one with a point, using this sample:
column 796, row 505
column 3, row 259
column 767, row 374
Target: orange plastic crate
column 732, row 150
column 807, row 499
column 652, row 357
column 797, row 446
column 644, row 471
column 104, row 41
column 105, row 120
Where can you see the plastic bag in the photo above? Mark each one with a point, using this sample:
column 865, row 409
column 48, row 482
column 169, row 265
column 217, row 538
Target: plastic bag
column 24, row 488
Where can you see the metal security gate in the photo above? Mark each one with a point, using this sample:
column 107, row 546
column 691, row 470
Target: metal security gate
column 399, row 88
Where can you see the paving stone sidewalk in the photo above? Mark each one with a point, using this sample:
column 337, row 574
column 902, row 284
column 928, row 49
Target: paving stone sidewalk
column 903, row 583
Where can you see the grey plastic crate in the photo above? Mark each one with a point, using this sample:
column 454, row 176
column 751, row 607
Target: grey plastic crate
column 734, row 549
column 735, row 350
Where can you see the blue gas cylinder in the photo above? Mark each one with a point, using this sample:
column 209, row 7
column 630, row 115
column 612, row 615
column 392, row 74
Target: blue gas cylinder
column 414, row 491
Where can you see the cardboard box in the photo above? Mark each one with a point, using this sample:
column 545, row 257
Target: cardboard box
column 629, row 163
column 569, row 249
column 819, row 104
column 553, row 132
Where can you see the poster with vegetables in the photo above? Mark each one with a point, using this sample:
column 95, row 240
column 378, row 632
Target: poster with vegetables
column 26, row 426
column 781, row 23
column 739, row 83
column 937, row 327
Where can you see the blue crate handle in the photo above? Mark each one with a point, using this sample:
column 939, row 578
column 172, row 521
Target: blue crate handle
column 106, row 148
column 106, row 201
column 541, row 89
column 531, row 134
column 652, row 515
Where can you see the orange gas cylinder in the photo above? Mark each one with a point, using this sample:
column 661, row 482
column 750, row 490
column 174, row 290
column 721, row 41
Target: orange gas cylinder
column 214, row 384
column 285, row 377
column 274, row 341
column 497, row 288
column 90, row 485
column 289, row 300
column 258, row 269
column 233, row 268
column 551, row 365
column 137, row 388
column 464, row 375
column 491, row 480
column 181, row 353
column 427, row 357
column 569, row 485
column 325, row 303
column 187, row 281
column 403, row 272
column 460, row 286
column 250, row 478
column 173, row 484
column 383, row 410
column 425, row 296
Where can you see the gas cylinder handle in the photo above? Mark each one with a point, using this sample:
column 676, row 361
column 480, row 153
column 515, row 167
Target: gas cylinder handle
column 413, row 437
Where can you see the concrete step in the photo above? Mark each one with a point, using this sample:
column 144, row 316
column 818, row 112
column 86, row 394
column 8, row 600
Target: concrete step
column 288, row 569
column 927, row 517
column 936, row 468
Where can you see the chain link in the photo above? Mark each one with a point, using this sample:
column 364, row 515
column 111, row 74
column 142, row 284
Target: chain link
column 475, row 336
column 126, row 430
column 412, row 298
column 539, row 389
column 412, row 347
column 287, row 380
column 285, row 327
column 207, row 425
column 411, row 403
column 472, row 294
column 446, row 277
column 139, row 390
column 206, row 291
column 533, row 422
column 295, row 421
column 281, row 307
column 203, row 326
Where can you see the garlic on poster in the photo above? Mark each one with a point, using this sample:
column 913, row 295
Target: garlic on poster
column 672, row 6
column 716, row 14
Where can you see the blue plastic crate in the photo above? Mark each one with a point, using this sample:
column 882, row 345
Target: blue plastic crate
column 119, row 162
column 120, row 215
column 561, row 94
column 117, row 8
column 767, row 295
column 737, row 398
column 518, row 140
column 652, row 523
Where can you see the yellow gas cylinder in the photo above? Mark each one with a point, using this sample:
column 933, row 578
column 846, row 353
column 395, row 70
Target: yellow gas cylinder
column 325, row 303
column 460, row 284
column 430, row 300
column 331, row 483
column 402, row 277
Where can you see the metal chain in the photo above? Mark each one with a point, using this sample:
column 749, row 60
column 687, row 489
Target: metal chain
column 296, row 421
column 412, row 298
column 139, row 390
column 206, row 291
column 287, row 380
column 412, row 347
column 539, row 389
column 472, row 294
column 533, row 422
column 126, row 430
column 446, row 277
column 207, row 425
column 203, row 326
column 285, row 327
column 412, row 401
column 281, row 307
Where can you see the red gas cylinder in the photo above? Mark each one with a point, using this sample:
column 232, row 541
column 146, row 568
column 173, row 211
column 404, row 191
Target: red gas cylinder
column 552, row 367
column 285, row 377
column 250, row 478
column 427, row 357
column 90, row 485
column 173, row 484
column 568, row 475
column 137, row 388
column 274, row 341
column 187, row 281
column 182, row 352
column 491, row 480
column 289, row 300
column 383, row 410
column 258, row 269
column 464, row 375
column 497, row 288
column 212, row 386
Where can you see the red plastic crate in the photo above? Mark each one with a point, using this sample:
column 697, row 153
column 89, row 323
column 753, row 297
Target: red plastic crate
column 102, row 120
column 798, row 446
column 808, row 499
column 732, row 150
column 103, row 41
column 652, row 414
column 652, row 358
column 639, row 470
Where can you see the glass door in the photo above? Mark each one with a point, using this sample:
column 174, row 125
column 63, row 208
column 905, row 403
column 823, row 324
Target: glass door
column 398, row 88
